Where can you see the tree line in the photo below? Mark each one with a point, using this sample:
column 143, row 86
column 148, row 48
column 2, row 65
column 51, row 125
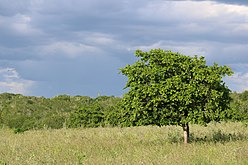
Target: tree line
column 22, row 113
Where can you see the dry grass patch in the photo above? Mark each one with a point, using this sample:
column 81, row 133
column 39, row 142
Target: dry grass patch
column 224, row 143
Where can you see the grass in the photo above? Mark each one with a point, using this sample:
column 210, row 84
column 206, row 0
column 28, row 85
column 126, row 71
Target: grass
column 219, row 143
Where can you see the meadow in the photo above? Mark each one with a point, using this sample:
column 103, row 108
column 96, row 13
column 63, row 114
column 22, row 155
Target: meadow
column 216, row 144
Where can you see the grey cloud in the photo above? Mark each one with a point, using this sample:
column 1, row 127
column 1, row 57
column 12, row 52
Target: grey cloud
column 239, row 2
column 78, row 46
column 235, row 2
column 13, row 7
column 231, row 53
column 10, row 81
column 85, row 75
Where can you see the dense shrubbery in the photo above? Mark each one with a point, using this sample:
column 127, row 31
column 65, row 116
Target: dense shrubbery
column 239, row 106
column 22, row 113
column 97, row 112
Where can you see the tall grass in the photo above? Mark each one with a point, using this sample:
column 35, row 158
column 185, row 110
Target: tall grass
column 219, row 143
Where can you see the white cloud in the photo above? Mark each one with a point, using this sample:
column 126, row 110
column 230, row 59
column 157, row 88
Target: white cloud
column 10, row 81
column 19, row 24
column 67, row 49
column 238, row 82
column 99, row 39
column 186, row 48
column 179, row 10
column 84, row 35
column 22, row 24
column 194, row 17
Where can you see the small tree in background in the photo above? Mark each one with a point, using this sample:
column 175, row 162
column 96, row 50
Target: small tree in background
column 167, row 88
column 90, row 115
column 239, row 106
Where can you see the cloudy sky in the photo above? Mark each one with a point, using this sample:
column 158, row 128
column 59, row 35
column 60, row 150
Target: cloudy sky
column 76, row 47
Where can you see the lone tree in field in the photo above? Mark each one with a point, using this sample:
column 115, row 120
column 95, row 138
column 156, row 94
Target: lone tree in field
column 167, row 88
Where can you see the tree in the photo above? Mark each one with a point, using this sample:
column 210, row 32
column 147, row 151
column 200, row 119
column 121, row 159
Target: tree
column 244, row 96
column 90, row 115
column 239, row 106
column 101, row 111
column 167, row 88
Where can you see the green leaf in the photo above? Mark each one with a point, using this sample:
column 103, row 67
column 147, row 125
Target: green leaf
column 173, row 89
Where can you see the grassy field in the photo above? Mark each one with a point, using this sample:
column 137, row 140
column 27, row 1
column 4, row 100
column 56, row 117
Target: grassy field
column 225, row 143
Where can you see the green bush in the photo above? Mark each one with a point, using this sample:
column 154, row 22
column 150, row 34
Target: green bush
column 90, row 115
column 21, row 123
column 54, row 121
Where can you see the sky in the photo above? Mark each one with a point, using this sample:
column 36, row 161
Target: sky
column 76, row 47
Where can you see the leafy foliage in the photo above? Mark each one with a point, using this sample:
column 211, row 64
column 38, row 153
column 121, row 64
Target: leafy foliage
column 23, row 113
column 87, row 116
column 239, row 106
column 167, row 88
column 97, row 112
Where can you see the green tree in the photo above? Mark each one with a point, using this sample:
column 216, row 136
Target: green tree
column 90, row 115
column 239, row 106
column 167, row 88
column 244, row 96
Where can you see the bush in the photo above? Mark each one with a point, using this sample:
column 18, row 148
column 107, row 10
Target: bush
column 54, row 121
column 21, row 123
column 90, row 115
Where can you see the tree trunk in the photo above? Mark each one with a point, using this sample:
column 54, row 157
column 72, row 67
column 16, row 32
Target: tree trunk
column 186, row 133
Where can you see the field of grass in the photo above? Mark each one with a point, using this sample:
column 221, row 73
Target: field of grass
column 219, row 143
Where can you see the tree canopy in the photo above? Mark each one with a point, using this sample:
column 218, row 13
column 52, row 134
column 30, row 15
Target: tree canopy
column 167, row 88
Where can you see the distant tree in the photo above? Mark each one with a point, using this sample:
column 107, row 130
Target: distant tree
column 29, row 112
column 90, row 115
column 239, row 106
column 101, row 111
column 167, row 88
column 244, row 96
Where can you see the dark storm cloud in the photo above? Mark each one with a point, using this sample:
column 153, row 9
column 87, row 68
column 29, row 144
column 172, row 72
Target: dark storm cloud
column 77, row 47
column 239, row 2
column 12, row 7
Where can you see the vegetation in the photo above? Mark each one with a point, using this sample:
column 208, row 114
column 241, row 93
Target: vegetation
column 96, row 112
column 167, row 88
column 218, row 143
column 23, row 113
column 239, row 106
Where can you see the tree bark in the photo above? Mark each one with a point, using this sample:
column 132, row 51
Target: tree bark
column 186, row 133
